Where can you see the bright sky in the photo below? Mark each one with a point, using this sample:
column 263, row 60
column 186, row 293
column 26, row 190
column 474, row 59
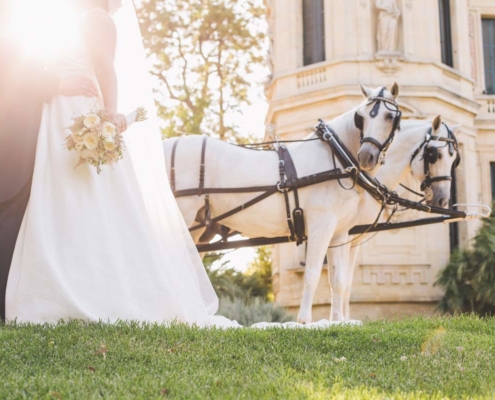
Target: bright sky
column 36, row 27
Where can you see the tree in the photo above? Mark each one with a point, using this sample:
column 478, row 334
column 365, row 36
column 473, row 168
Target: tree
column 469, row 278
column 203, row 53
column 229, row 282
column 261, row 269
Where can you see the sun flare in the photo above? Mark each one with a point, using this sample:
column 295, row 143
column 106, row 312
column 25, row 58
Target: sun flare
column 42, row 28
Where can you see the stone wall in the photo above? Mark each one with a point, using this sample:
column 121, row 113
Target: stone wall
column 396, row 270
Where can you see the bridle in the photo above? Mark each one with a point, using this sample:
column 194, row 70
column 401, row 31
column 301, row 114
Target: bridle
column 359, row 122
column 431, row 155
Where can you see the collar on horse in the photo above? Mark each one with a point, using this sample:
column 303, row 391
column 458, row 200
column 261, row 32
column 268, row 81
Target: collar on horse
column 431, row 156
column 359, row 122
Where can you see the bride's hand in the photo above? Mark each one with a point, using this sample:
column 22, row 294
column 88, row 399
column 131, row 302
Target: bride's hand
column 119, row 120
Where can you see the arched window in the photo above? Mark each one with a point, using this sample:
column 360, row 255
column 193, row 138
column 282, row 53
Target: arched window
column 313, row 31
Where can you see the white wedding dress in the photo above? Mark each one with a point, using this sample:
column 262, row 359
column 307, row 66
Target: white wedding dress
column 89, row 247
column 113, row 246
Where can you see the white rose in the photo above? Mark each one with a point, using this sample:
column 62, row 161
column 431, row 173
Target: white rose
column 92, row 121
column 108, row 130
column 90, row 140
column 110, row 144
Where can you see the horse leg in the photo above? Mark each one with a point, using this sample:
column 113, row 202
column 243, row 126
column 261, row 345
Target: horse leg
column 318, row 239
column 331, row 276
column 350, row 276
column 339, row 257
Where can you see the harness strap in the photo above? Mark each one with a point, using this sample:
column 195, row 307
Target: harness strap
column 412, row 191
column 172, row 165
column 238, row 209
column 395, row 199
column 289, row 217
column 378, row 99
column 282, row 150
column 373, row 141
column 202, row 168
column 299, row 183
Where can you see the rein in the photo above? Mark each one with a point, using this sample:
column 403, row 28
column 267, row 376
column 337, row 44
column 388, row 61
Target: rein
column 373, row 187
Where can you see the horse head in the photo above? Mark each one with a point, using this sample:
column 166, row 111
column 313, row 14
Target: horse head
column 378, row 119
column 434, row 161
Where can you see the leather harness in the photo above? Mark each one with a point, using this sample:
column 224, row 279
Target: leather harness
column 430, row 156
column 359, row 122
column 290, row 182
column 288, row 173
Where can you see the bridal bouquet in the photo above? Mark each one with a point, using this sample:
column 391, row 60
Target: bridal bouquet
column 96, row 138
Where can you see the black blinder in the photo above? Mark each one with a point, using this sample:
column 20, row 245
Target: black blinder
column 359, row 121
column 431, row 155
column 397, row 119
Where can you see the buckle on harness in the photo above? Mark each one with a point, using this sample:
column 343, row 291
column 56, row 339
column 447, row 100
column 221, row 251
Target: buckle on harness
column 352, row 170
column 280, row 189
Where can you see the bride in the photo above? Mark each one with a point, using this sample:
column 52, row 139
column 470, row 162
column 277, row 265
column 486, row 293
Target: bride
column 111, row 246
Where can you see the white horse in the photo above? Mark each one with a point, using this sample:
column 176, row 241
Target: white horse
column 230, row 166
column 405, row 159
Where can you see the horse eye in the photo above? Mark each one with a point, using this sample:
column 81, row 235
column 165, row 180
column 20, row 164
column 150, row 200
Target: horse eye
column 439, row 156
column 390, row 116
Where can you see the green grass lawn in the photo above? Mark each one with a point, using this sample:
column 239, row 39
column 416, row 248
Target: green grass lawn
column 409, row 359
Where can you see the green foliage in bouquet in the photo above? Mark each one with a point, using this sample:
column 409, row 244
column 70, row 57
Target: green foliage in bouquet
column 469, row 278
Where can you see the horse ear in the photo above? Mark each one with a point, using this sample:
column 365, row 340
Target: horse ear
column 455, row 128
column 365, row 90
column 395, row 90
column 437, row 123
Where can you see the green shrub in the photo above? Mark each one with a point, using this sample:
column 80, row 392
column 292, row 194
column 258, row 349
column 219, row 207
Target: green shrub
column 246, row 296
column 253, row 310
column 229, row 282
column 469, row 278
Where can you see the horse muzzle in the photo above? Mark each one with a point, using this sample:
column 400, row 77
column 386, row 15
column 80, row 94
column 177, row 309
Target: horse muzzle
column 368, row 156
column 437, row 198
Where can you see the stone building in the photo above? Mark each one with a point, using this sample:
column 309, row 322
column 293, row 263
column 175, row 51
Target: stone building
column 442, row 54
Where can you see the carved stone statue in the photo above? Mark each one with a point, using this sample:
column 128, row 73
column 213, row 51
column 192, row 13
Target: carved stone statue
column 388, row 26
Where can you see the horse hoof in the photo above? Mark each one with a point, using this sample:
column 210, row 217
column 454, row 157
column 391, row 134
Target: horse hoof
column 304, row 321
